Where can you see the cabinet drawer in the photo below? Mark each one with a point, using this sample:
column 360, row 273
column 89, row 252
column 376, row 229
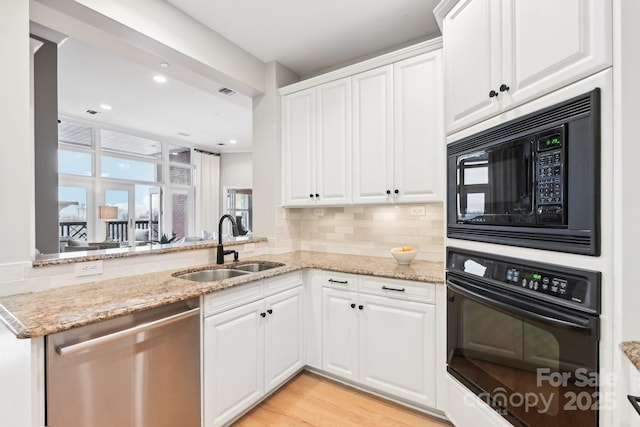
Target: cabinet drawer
column 216, row 302
column 282, row 283
column 340, row 280
column 400, row 289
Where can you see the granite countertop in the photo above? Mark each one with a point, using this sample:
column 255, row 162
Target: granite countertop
column 95, row 255
column 41, row 313
column 632, row 350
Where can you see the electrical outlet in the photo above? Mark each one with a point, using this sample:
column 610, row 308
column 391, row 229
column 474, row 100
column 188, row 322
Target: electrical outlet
column 88, row 268
column 318, row 212
column 417, row 211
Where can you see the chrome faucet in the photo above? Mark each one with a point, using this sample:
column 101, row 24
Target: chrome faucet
column 220, row 250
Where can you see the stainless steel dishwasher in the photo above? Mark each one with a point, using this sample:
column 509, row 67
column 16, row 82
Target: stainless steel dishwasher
column 139, row 370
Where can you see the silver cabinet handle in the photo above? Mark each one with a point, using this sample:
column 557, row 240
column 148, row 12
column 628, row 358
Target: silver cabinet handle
column 386, row 288
column 85, row 345
column 343, row 282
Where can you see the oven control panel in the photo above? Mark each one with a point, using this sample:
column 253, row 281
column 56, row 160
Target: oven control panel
column 548, row 283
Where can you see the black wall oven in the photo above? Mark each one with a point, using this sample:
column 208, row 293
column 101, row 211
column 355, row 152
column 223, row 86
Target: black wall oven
column 531, row 182
column 523, row 336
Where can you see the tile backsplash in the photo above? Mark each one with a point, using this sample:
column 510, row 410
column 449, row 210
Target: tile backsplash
column 368, row 230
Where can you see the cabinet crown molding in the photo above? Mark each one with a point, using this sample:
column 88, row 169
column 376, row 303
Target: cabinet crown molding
column 441, row 10
column 369, row 64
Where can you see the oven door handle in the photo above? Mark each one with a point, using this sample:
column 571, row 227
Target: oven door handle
column 561, row 320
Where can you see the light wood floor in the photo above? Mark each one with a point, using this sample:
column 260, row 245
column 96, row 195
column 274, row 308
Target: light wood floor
column 312, row 400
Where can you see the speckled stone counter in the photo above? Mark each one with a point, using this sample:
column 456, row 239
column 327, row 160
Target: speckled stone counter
column 632, row 350
column 41, row 313
column 96, row 255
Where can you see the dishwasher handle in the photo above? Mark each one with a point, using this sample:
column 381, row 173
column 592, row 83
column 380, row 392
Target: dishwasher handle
column 65, row 350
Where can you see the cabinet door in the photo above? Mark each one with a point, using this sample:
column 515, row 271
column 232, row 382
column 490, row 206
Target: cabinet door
column 298, row 147
column 418, row 128
column 373, row 135
column 284, row 336
column 473, row 62
column 233, row 362
column 549, row 44
column 333, row 142
column 340, row 333
column 397, row 347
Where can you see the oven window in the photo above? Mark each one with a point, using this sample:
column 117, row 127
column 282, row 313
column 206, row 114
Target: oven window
column 496, row 185
column 538, row 372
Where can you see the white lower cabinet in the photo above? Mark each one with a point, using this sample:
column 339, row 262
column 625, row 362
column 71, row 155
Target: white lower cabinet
column 396, row 347
column 233, row 362
column 249, row 350
column 383, row 342
column 340, row 333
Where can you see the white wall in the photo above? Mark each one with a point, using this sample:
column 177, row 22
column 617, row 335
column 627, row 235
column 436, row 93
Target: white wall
column 16, row 162
column 236, row 170
column 267, row 130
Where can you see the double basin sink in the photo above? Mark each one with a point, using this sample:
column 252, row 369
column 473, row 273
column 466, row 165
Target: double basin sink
column 215, row 274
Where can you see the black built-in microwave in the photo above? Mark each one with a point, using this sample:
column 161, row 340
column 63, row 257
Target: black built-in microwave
column 532, row 182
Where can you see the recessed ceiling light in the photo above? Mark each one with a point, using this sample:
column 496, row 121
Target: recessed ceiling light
column 233, row 141
column 105, row 106
column 165, row 65
column 159, row 79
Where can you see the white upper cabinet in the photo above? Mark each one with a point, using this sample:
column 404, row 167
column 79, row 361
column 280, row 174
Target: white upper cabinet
column 418, row 129
column 500, row 54
column 317, row 145
column 333, row 143
column 373, row 135
column 299, row 145
column 398, row 132
column 472, row 52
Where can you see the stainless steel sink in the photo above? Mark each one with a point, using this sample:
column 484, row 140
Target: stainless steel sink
column 212, row 275
column 254, row 267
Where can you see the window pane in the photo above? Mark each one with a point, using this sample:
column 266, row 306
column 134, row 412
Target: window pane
column 122, row 143
column 179, row 175
column 72, row 204
column 179, row 154
column 147, row 211
column 118, row 228
column 179, row 214
column 74, row 163
column 114, row 167
column 70, row 133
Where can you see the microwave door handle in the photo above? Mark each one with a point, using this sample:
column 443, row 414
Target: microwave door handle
column 565, row 323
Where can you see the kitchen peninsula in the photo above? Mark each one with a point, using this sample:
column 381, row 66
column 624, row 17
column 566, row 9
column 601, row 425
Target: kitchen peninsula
column 312, row 284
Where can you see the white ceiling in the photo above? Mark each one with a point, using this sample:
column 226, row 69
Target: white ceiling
column 89, row 77
column 305, row 36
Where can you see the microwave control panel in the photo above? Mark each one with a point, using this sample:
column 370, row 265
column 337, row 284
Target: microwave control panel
column 550, row 161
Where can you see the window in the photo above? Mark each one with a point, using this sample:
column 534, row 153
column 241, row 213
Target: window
column 179, row 214
column 240, row 206
column 129, row 144
column 72, row 204
column 126, row 171
column 133, row 170
column 179, row 154
column 71, row 133
column 74, row 163
column 179, row 175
